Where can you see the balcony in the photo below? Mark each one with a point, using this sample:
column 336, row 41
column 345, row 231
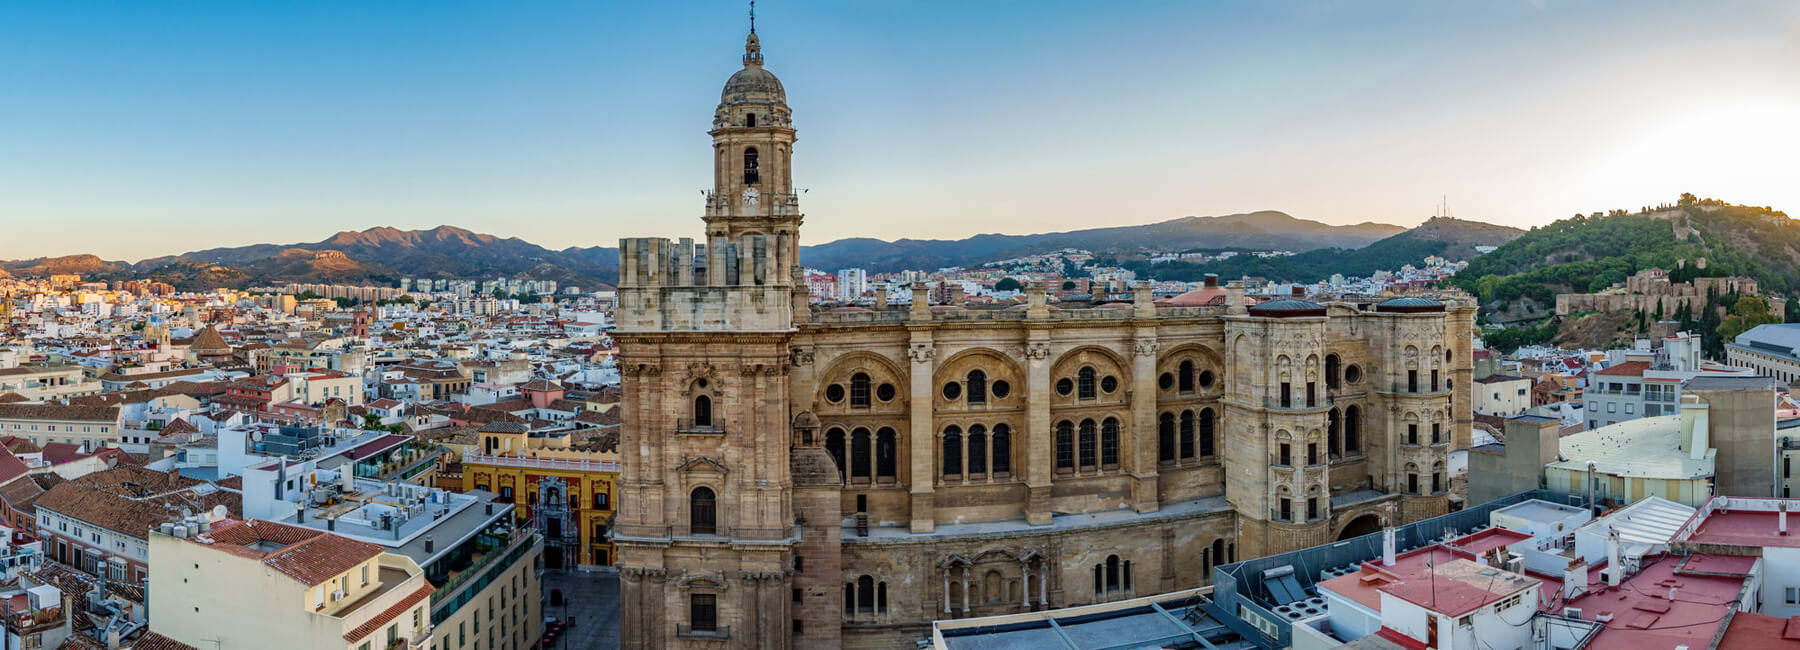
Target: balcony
column 711, row 428
column 685, row 631
column 541, row 463
column 1298, row 404
column 451, row 596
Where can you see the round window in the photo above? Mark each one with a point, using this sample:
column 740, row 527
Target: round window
column 1352, row 373
column 1000, row 389
column 952, row 390
column 884, row 392
column 1065, row 386
column 1206, row 379
column 1109, row 383
column 701, row 383
column 834, row 393
column 1166, row 381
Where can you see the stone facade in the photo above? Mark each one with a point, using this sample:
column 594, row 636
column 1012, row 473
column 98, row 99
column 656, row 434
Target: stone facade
column 802, row 478
column 1651, row 289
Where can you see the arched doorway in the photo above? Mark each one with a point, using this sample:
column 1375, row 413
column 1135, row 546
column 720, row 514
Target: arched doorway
column 1363, row 525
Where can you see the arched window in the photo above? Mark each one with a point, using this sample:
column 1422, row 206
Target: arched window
column 1087, row 443
column 1331, row 371
column 752, row 175
column 881, row 597
column 1084, row 384
column 886, row 449
column 859, row 390
column 1113, row 581
column 1352, row 429
column 977, row 449
column 1334, row 432
column 1109, row 442
column 1185, row 376
column 1187, row 434
column 834, row 445
column 702, row 512
column 1218, row 551
column 1065, row 445
column 952, row 451
column 859, row 453
column 750, row 120
column 703, row 411
column 1208, row 422
column 1002, row 449
column 977, row 387
column 1165, row 438
column 865, row 595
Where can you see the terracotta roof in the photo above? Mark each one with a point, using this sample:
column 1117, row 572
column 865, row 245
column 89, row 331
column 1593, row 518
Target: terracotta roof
column 388, row 615
column 10, row 397
column 308, row 556
column 178, row 425
column 541, row 384
column 154, row 641
column 19, row 445
column 1627, row 369
column 130, row 500
column 209, row 340
column 11, row 467
column 60, row 412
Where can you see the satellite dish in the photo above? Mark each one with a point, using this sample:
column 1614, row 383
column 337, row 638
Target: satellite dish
column 219, row 512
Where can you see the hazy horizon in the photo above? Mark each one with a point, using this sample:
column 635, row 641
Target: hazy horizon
column 152, row 130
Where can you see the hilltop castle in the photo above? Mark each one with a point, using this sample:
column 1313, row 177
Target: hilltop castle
column 797, row 478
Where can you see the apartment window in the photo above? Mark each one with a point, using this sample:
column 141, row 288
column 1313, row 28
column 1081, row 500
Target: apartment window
column 365, row 574
column 1628, row 408
column 1612, row 407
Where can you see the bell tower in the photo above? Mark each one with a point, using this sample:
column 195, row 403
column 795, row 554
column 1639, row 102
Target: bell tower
column 753, row 146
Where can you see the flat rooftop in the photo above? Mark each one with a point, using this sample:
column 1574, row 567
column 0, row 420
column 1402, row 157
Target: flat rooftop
column 1643, row 615
column 1488, row 540
column 1747, row 528
column 448, row 524
column 1175, row 619
column 1641, row 448
column 1542, row 511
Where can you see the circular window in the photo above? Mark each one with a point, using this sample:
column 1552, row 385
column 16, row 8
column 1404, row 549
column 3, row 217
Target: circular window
column 1206, row 379
column 1065, row 386
column 701, row 383
column 884, row 392
column 834, row 393
column 1166, row 381
column 1000, row 389
column 952, row 390
column 1109, row 383
column 1352, row 373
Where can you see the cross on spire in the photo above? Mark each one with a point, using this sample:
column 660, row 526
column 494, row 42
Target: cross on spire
column 753, row 16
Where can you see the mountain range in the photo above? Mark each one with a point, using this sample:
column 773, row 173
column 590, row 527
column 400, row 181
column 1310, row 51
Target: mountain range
column 384, row 255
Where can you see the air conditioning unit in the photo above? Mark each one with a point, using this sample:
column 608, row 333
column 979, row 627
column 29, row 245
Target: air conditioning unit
column 337, row 595
column 1571, row 612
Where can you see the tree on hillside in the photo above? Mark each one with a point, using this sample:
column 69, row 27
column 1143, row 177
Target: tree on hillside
column 1007, row 284
column 1748, row 312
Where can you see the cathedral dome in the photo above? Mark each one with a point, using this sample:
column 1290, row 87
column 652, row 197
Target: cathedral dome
column 753, row 84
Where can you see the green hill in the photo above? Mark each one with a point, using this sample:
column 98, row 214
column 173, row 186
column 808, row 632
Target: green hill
column 1591, row 253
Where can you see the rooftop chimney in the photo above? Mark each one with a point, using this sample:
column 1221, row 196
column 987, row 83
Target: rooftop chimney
column 1299, row 291
column 428, row 544
column 1615, row 565
column 1387, row 546
column 1212, row 279
column 1574, row 579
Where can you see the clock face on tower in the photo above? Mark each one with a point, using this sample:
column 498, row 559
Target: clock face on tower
column 751, row 197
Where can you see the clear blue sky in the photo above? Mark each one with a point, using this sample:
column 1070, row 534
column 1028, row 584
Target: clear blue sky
column 135, row 129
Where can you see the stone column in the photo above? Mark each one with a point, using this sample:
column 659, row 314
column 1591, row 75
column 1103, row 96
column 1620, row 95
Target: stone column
column 1025, row 570
column 1040, row 439
column 1044, row 585
column 965, row 585
column 1144, row 490
column 923, row 433
column 946, row 590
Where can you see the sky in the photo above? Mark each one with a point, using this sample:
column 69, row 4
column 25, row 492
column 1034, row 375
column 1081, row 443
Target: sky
column 133, row 130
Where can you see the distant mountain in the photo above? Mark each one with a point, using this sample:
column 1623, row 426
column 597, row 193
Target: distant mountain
column 1266, row 229
column 1454, row 239
column 78, row 264
column 384, row 255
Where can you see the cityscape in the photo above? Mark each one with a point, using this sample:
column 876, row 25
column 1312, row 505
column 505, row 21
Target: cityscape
column 1223, row 427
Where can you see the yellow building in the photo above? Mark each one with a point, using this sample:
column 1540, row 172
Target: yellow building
column 560, row 482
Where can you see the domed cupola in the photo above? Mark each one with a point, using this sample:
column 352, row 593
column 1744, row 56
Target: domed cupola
column 753, row 97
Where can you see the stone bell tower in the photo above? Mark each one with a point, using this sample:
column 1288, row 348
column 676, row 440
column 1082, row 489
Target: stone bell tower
column 706, row 528
column 753, row 146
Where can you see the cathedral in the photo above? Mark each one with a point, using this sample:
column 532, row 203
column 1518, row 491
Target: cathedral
column 797, row 477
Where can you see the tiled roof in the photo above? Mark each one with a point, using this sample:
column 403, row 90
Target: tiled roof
column 308, row 556
column 154, row 641
column 60, row 412
column 388, row 615
column 1627, row 369
column 111, row 499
